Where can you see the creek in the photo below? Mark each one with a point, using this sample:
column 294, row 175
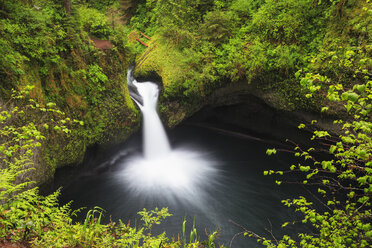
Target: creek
column 209, row 176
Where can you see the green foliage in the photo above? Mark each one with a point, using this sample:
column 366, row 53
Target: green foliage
column 96, row 83
column 100, row 5
column 246, row 8
column 344, row 182
column 217, row 27
column 176, row 13
column 27, row 214
column 262, row 42
column 281, row 20
column 39, row 220
column 153, row 217
column 44, row 47
column 20, row 137
column 255, row 40
column 28, row 217
column 93, row 21
column 23, row 212
column 29, row 34
column 271, row 151
column 193, row 234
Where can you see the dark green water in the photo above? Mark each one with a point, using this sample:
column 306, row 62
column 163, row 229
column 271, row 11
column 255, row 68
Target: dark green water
column 237, row 191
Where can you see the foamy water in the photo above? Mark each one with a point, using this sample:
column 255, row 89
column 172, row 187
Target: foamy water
column 174, row 174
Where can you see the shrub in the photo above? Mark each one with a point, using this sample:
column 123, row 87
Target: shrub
column 94, row 22
column 344, row 180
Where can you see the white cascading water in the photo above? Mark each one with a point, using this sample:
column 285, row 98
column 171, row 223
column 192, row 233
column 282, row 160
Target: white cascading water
column 155, row 141
column 174, row 174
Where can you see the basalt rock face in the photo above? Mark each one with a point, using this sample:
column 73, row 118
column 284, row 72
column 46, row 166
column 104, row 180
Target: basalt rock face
column 247, row 108
column 248, row 114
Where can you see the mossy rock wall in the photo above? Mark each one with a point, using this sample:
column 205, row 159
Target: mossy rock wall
column 90, row 87
column 159, row 61
column 108, row 114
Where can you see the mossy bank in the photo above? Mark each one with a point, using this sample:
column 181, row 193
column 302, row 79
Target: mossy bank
column 56, row 54
column 250, row 48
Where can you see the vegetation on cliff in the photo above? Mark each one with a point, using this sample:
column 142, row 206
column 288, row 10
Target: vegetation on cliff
column 343, row 180
column 198, row 47
column 44, row 47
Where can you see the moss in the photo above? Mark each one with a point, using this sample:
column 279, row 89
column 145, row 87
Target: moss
column 167, row 61
column 289, row 95
column 64, row 150
column 163, row 59
column 86, row 83
column 109, row 119
column 173, row 113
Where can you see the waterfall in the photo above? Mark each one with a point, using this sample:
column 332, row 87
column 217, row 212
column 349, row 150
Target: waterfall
column 155, row 139
column 145, row 95
column 181, row 174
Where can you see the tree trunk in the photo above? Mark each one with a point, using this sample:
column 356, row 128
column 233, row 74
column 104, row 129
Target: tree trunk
column 128, row 8
column 68, row 7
